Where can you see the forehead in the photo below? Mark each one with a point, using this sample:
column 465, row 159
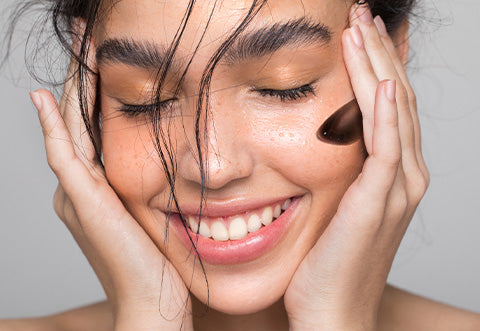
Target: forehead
column 208, row 21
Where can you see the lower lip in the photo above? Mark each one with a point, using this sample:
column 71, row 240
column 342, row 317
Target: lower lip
column 251, row 247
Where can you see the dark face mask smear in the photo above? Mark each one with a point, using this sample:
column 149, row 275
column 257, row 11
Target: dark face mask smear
column 344, row 127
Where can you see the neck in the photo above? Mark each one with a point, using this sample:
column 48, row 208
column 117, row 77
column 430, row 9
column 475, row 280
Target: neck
column 271, row 318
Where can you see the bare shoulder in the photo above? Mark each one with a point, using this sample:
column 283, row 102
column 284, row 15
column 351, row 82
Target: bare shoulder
column 93, row 317
column 404, row 311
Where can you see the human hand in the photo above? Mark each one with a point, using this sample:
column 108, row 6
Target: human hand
column 144, row 290
column 339, row 284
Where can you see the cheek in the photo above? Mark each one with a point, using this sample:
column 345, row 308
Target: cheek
column 322, row 171
column 131, row 162
column 291, row 147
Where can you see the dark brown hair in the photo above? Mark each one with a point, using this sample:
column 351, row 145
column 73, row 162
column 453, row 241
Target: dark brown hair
column 62, row 15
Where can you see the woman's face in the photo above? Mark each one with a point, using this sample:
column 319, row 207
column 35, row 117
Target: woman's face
column 259, row 145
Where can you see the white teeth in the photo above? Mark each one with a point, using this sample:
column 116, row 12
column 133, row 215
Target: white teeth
column 219, row 231
column 254, row 223
column 193, row 224
column 277, row 211
column 267, row 216
column 204, row 230
column 286, row 204
column 237, row 229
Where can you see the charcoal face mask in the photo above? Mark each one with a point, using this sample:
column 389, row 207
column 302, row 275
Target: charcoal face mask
column 344, row 126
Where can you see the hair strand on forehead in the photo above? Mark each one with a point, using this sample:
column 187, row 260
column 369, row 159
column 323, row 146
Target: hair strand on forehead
column 63, row 16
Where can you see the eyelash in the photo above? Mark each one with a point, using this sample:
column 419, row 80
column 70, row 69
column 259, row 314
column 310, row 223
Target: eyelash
column 283, row 95
column 288, row 95
column 135, row 110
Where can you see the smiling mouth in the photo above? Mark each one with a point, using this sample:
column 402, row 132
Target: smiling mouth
column 236, row 227
column 240, row 235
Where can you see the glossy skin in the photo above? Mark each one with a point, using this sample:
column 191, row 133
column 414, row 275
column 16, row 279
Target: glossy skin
column 252, row 142
column 332, row 264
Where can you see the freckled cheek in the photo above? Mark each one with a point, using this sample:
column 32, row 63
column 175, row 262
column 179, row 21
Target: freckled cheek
column 294, row 150
column 131, row 161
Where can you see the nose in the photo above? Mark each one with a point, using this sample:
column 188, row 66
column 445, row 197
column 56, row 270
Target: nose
column 225, row 154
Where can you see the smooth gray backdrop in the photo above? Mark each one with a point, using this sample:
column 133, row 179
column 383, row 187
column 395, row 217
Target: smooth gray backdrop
column 43, row 271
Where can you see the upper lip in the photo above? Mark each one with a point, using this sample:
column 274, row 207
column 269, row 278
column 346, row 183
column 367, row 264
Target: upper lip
column 220, row 208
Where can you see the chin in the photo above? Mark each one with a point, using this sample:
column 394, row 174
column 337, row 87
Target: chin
column 243, row 299
column 250, row 288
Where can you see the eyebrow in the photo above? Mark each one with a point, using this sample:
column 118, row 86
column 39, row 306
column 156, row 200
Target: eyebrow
column 249, row 45
column 143, row 54
column 268, row 40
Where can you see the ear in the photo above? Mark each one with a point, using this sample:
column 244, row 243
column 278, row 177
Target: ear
column 401, row 40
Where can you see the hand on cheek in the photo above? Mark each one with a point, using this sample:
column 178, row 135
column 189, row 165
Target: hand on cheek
column 339, row 284
column 108, row 235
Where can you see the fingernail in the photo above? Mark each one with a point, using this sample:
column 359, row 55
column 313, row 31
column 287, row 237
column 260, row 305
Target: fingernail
column 356, row 36
column 382, row 29
column 37, row 100
column 391, row 90
column 364, row 14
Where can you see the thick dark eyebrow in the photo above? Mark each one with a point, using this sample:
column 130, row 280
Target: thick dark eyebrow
column 267, row 40
column 251, row 44
column 143, row 54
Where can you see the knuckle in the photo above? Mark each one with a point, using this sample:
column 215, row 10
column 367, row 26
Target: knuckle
column 427, row 178
column 398, row 205
column 59, row 161
column 59, row 202
column 390, row 158
column 418, row 186
column 54, row 162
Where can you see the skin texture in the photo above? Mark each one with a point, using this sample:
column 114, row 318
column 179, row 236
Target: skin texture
column 329, row 270
column 250, row 147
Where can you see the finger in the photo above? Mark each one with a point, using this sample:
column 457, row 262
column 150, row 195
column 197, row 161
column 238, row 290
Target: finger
column 361, row 213
column 72, row 174
column 59, row 202
column 379, row 172
column 65, row 211
column 72, row 103
column 400, row 69
column 384, row 69
column 362, row 78
column 89, row 206
column 386, row 155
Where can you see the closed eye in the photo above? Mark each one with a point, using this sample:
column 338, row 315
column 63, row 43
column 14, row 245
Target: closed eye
column 283, row 95
column 135, row 110
column 289, row 94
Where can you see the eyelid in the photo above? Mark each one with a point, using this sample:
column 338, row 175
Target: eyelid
column 290, row 94
column 149, row 104
column 282, row 84
column 132, row 110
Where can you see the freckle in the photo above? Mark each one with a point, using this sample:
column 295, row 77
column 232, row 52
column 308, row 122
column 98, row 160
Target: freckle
column 281, row 134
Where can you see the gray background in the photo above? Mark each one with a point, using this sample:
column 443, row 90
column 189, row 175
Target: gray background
column 43, row 271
